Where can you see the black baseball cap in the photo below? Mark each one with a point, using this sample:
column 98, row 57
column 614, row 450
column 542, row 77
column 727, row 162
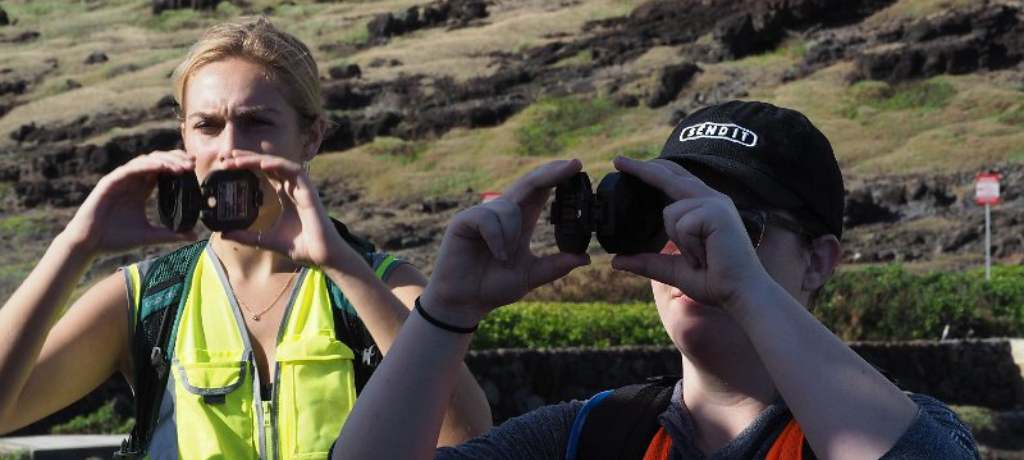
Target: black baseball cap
column 774, row 152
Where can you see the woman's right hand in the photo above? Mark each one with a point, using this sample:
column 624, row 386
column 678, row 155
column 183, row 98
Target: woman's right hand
column 113, row 216
column 485, row 259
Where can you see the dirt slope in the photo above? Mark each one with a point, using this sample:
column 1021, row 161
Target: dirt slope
column 435, row 102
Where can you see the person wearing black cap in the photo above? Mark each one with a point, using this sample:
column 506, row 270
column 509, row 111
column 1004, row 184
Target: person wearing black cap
column 754, row 226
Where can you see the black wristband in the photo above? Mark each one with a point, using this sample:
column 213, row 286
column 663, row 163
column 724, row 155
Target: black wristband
column 443, row 325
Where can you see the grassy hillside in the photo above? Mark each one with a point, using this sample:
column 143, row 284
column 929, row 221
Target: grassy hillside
column 940, row 124
column 946, row 123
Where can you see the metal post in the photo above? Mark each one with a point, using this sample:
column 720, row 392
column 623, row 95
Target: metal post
column 988, row 243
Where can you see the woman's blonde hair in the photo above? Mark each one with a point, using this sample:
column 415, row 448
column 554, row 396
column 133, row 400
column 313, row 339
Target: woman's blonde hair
column 285, row 58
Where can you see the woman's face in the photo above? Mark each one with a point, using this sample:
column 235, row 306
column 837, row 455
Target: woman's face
column 697, row 328
column 232, row 107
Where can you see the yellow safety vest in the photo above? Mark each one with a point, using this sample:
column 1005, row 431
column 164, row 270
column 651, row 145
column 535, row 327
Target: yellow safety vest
column 212, row 406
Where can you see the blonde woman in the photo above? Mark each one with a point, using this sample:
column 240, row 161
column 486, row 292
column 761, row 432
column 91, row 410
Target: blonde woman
column 250, row 345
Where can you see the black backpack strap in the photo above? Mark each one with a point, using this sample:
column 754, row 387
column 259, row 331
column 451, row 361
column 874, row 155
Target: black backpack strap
column 808, row 452
column 350, row 330
column 622, row 425
column 162, row 295
column 362, row 246
column 348, row 327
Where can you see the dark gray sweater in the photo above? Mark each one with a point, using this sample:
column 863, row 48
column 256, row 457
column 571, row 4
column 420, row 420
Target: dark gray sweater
column 936, row 433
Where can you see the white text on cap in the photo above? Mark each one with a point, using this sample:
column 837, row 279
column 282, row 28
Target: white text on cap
column 723, row 131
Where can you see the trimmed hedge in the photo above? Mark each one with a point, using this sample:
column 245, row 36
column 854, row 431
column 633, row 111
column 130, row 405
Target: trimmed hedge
column 890, row 303
column 878, row 303
column 544, row 325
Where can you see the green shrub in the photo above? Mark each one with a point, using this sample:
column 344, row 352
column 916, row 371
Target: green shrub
column 176, row 19
column 543, row 325
column 926, row 95
column 551, row 125
column 875, row 303
column 1014, row 115
column 18, row 455
column 355, row 35
column 398, row 149
column 976, row 418
column 638, row 152
column 104, row 421
column 24, row 227
column 890, row 303
column 39, row 9
column 459, row 181
column 922, row 96
column 595, row 283
column 583, row 58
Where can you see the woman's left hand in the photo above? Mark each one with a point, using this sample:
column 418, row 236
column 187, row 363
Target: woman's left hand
column 304, row 232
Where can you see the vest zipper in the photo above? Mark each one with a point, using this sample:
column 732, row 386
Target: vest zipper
column 268, row 427
column 261, row 413
column 266, row 413
column 275, row 407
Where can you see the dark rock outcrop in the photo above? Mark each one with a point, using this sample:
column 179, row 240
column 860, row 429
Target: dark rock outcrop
column 161, row 5
column 761, row 26
column 861, row 208
column 889, row 218
column 25, row 37
column 625, row 100
column 63, row 175
column 447, row 13
column 345, row 96
column 87, row 126
column 97, row 57
column 14, row 87
column 919, row 217
column 672, row 80
column 987, row 35
column 344, row 72
column 404, row 107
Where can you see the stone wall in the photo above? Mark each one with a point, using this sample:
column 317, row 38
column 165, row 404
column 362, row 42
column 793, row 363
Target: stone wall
column 519, row 380
column 973, row 372
column 982, row 372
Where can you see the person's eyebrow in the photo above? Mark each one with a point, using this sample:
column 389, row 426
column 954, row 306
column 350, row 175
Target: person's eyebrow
column 251, row 111
column 241, row 112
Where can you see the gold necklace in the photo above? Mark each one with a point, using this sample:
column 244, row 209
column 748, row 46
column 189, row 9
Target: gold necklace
column 256, row 315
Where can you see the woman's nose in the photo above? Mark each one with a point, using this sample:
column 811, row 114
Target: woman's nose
column 227, row 144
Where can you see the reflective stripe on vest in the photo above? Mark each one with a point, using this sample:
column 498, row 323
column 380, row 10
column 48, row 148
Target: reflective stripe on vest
column 212, row 407
column 788, row 446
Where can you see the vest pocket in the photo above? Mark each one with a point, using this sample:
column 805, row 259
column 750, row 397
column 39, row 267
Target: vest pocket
column 213, row 405
column 316, row 392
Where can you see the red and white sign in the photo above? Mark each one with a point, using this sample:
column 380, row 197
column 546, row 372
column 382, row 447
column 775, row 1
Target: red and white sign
column 986, row 189
column 489, row 196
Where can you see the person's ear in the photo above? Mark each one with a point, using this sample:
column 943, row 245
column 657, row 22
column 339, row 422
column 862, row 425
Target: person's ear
column 824, row 257
column 313, row 137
